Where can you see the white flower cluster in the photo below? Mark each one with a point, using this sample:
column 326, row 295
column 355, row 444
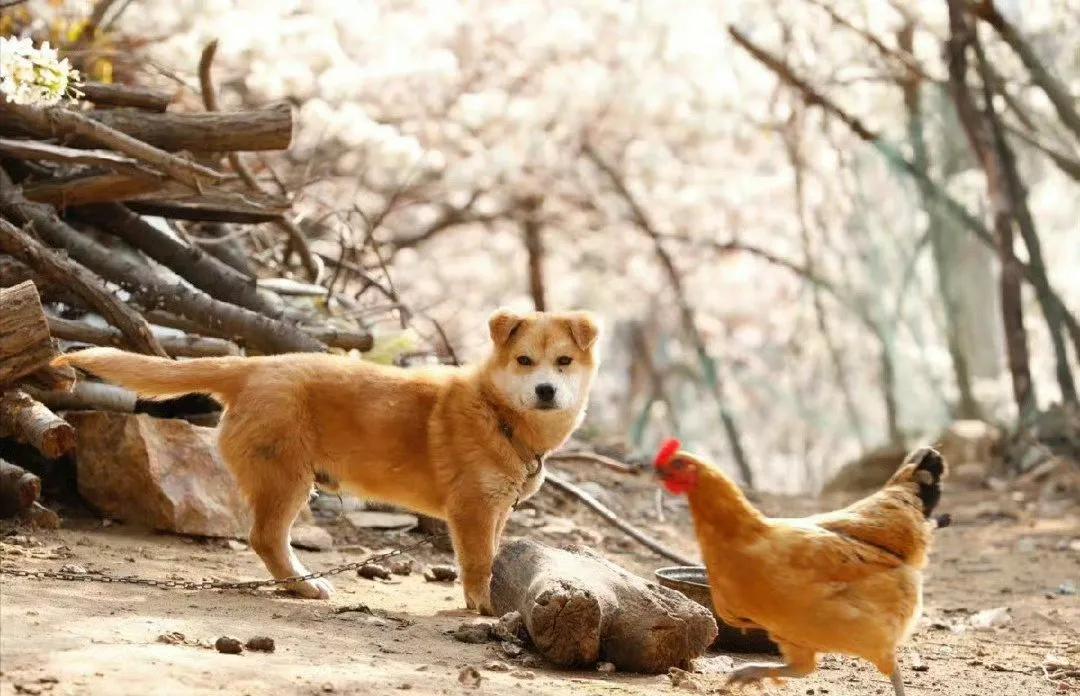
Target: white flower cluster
column 35, row 76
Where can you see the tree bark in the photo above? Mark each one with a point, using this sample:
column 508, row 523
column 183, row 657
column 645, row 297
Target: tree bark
column 981, row 141
column 264, row 129
column 25, row 344
column 28, row 421
column 580, row 608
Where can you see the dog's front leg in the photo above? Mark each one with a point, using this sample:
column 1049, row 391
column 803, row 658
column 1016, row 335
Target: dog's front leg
column 474, row 525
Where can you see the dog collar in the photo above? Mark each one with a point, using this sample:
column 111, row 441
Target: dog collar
column 526, row 455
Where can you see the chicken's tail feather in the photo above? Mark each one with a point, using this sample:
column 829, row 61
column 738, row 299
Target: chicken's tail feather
column 925, row 467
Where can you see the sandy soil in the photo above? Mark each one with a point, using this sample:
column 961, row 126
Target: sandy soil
column 376, row 637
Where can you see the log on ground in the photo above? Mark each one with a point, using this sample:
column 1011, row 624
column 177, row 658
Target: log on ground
column 580, row 608
column 29, row 421
column 25, row 344
column 19, row 489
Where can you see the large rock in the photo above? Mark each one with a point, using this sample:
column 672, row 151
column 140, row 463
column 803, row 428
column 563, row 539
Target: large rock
column 163, row 473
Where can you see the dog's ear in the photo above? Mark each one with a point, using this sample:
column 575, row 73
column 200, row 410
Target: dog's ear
column 502, row 325
column 584, row 328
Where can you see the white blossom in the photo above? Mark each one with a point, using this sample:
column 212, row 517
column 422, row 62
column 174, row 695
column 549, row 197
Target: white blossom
column 35, row 76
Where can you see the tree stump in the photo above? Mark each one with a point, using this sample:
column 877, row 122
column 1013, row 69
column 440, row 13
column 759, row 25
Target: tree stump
column 25, row 344
column 580, row 608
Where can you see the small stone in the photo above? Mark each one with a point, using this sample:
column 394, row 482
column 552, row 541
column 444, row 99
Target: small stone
column 73, row 569
column 917, row 664
column 172, row 638
column 496, row 666
column 310, row 538
column 1053, row 663
column 523, row 674
column 531, row 661
column 470, row 677
column 236, row 545
column 510, row 627
column 228, row 645
column 475, row 633
column 440, row 573
column 1026, row 545
column 681, row 679
column 403, row 566
column 373, row 571
column 327, row 688
column 1066, row 589
column 511, row 649
column 32, row 689
column 990, row 618
column 369, row 519
column 404, row 687
column 260, row 644
column 605, row 667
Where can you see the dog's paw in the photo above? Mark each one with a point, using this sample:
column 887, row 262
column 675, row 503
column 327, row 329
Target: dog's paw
column 319, row 588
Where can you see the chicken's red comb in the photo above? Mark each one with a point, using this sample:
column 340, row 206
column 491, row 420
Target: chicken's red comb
column 667, row 452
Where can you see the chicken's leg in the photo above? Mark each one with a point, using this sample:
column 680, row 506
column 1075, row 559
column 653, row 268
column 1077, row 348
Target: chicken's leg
column 799, row 662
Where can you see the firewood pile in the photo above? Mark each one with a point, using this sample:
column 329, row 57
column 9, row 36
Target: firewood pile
column 125, row 222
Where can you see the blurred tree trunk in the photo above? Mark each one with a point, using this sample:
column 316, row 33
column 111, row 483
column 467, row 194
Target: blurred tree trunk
column 534, row 245
column 938, row 228
column 981, row 141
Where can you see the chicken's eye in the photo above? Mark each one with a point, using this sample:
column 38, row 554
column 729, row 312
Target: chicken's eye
column 563, row 360
column 524, row 360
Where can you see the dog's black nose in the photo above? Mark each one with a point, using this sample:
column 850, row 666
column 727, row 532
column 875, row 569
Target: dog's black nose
column 545, row 392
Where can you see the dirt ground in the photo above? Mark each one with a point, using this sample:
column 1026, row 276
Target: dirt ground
column 385, row 637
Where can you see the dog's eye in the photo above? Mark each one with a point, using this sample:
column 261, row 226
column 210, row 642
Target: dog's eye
column 564, row 360
column 524, row 360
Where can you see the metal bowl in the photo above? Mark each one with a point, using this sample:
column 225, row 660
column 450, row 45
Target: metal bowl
column 693, row 582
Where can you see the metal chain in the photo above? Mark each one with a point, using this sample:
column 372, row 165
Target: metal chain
column 98, row 576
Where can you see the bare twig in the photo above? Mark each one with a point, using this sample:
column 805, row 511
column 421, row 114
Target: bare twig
column 648, row 542
column 686, row 313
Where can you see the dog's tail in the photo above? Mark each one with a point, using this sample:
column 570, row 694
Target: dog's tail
column 160, row 378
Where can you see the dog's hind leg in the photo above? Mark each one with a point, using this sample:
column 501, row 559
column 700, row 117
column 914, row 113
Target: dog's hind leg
column 276, row 481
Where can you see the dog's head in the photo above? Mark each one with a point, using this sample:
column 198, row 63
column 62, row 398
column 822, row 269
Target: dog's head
column 543, row 361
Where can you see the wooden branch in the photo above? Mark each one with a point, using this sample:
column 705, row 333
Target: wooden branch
column 645, row 540
column 88, row 396
column 144, row 98
column 580, row 608
column 188, row 346
column 591, row 457
column 47, row 152
column 348, row 340
column 191, row 263
column 150, row 291
column 13, row 272
column 28, row 421
column 72, row 275
column 84, row 189
column 19, row 489
column 263, row 129
column 25, row 345
column 74, row 123
column 1056, row 91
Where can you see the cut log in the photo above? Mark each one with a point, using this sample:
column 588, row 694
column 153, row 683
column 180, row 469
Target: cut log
column 29, row 421
column 176, row 346
column 263, row 129
column 144, row 98
column 580, row 608
column 25, row 345
column 19, row 489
